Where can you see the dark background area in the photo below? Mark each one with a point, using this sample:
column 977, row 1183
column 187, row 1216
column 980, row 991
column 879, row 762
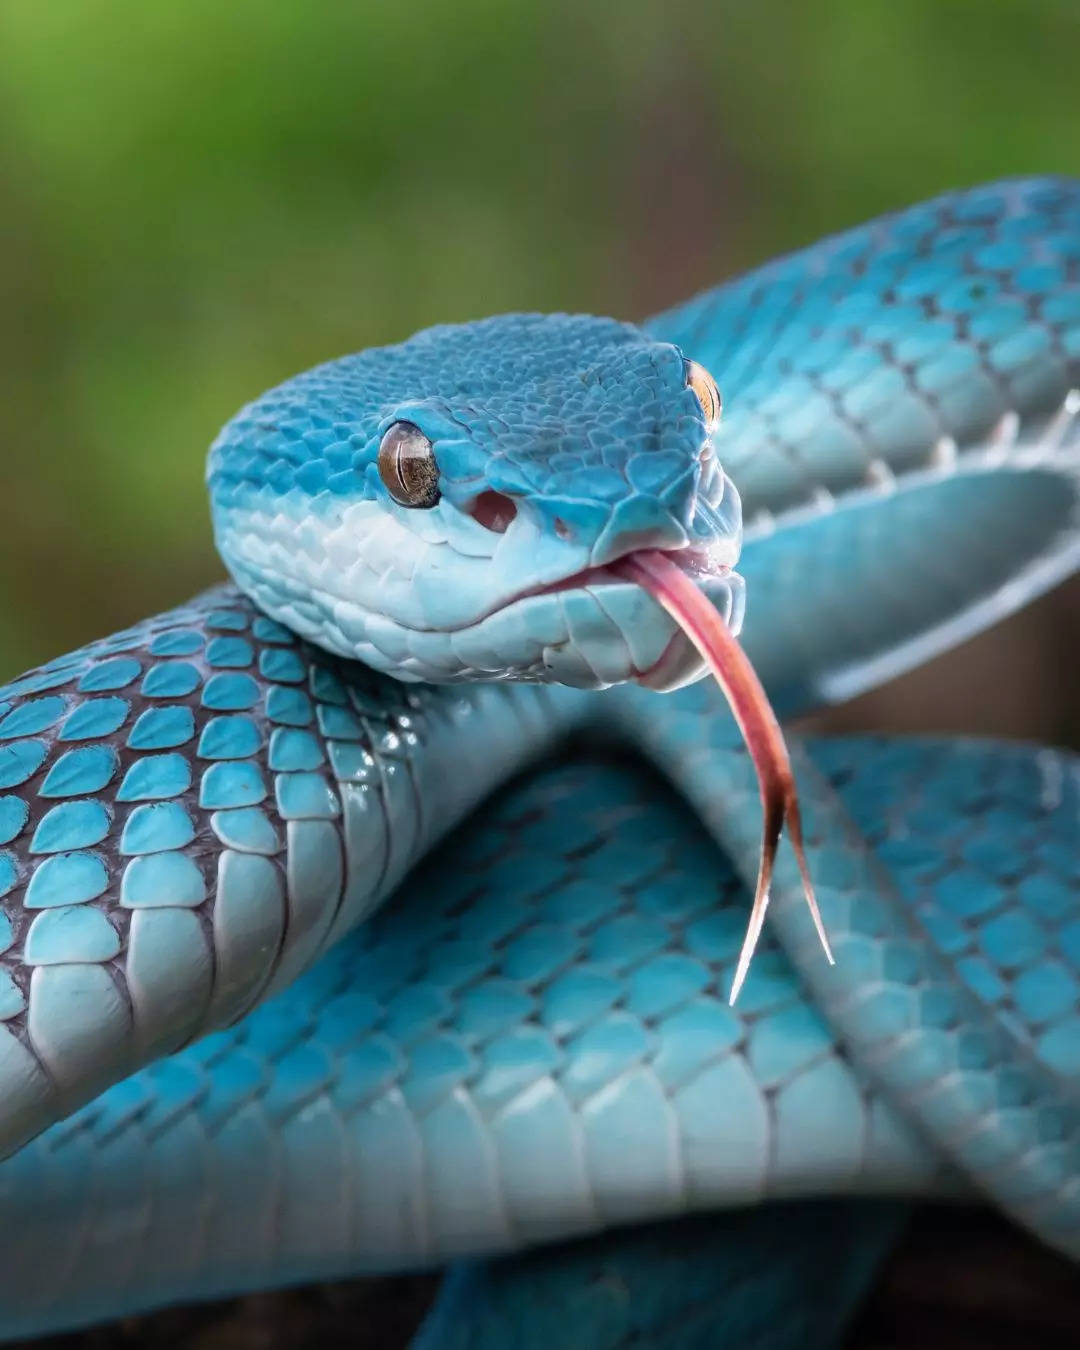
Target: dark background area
column 198, row 200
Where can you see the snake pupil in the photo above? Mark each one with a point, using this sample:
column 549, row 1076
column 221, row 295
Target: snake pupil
column 407, row 466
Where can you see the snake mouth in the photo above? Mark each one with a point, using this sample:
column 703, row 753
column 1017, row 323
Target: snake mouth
column 700, row 564
column 678, row 663
column 671, row 583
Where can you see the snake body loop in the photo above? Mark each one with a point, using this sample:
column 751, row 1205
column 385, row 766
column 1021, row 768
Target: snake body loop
column 226, row 1063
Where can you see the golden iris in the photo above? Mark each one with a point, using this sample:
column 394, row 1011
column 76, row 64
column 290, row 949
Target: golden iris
column 407, row 466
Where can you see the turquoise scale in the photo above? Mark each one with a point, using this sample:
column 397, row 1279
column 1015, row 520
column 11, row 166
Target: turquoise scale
column 230, row 693
column 231, row 784
column 155, row 827
column 177, row 679
column 161, row 879
column 247, row 829
column 229, row 738
column 77, row 772
column 14, row 812
column 95, row 719
column 71, row 825
column 20, row 760
column 156, row 776
column 72, row 933
column 162, row 728
column 295, row 751
column 37, row 715
column 115, row 674
column 71, row 878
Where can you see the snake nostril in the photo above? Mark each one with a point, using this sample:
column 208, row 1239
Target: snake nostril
column 494, row 510
column 561, row 528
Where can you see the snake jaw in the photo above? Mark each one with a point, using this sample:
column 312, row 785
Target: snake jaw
column 673, row 588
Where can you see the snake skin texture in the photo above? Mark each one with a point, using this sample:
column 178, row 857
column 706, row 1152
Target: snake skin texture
column 888, row 348
column 191, row 811
column 990, row 1076
column 450, row 1077
column 914, row 379
column 224, row 1064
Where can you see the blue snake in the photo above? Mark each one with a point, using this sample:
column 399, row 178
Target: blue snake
column 441, row 673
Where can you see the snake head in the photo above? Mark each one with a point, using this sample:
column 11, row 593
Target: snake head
column 455, row 507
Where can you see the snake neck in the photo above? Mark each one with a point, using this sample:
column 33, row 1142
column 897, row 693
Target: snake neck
column 195, row 810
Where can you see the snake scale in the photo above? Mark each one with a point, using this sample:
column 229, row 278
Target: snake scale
column 225, row 1064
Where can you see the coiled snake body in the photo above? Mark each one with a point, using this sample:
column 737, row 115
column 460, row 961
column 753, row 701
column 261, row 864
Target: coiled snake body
column 221, row 1069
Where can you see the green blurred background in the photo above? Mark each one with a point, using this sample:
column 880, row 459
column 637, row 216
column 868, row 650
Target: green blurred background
column 198, row 199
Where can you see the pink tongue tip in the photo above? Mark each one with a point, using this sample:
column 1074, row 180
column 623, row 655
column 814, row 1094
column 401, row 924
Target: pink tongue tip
column 669, row 585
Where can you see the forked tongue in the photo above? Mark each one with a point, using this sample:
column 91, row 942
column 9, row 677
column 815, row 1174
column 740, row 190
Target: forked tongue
column 670, row 586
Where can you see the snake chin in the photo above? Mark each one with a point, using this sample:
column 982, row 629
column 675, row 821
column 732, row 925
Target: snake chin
column 678, row 663
column 589, row 630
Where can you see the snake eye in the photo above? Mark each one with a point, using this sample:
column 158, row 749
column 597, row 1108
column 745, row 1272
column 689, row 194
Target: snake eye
column 407, row 466
column 704, row 386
